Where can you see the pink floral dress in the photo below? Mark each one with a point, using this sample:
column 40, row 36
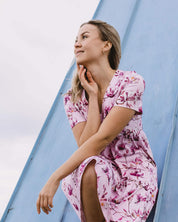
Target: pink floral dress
column 126, row 171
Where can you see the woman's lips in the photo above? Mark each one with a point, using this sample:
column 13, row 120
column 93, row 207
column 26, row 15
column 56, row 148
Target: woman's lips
column 78, row 53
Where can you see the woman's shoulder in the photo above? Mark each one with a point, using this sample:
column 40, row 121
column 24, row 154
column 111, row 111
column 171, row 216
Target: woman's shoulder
column 129, row 74
column 129, row 78
column 67, row 96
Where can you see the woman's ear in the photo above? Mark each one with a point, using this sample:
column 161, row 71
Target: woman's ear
column 107, row 47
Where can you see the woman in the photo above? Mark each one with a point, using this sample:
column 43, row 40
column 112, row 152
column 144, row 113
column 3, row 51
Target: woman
column 112, row 175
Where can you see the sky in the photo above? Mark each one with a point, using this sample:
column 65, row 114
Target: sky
column 36, row 51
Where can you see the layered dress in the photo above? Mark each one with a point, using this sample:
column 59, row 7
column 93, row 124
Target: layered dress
column 126, row 171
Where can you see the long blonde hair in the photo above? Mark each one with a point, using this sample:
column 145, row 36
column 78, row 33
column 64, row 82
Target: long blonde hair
column 107, row 33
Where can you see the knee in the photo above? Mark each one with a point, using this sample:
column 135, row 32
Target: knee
column 89, row 176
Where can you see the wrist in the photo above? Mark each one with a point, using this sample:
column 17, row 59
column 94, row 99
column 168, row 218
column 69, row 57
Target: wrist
column 93, row 95
column 56, row 176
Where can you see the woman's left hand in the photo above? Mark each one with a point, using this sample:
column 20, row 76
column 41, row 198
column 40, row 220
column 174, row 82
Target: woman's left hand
column 45, row 198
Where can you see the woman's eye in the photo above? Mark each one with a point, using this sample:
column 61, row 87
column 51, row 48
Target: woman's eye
column 84, row 36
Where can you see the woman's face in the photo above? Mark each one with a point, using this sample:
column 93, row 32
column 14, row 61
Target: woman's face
column 88, row 46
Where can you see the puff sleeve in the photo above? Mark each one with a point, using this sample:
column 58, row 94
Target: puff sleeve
column 73, row 111
column 132, row 89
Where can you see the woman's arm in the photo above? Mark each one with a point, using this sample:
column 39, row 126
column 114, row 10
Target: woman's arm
column 113, row 124
column 84, row 130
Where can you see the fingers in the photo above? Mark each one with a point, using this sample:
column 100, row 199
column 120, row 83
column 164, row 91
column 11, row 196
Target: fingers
column 78, row 68
column 89, row 76
column 44, row 203
column 46, row 208
column 81, row 73
column 50, row 202
column 38, row 205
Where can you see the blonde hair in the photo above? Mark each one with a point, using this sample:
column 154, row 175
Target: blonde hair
column 107, row 33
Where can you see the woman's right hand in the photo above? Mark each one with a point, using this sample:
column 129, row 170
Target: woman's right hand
column 89, row 85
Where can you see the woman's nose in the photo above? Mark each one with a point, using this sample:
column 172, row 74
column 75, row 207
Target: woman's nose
column 77, row 44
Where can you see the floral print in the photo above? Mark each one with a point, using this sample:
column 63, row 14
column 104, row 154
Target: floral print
column 126, row 171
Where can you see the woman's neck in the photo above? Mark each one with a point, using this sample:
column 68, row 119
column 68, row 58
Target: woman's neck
column 102, row 75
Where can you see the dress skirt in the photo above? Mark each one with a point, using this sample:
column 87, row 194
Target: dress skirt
column 124, row 194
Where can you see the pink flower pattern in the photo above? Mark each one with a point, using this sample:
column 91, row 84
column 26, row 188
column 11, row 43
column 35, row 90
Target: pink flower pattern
column 126, row 172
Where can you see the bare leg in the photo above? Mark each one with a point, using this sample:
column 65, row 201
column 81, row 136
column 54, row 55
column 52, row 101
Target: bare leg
column 91, row 205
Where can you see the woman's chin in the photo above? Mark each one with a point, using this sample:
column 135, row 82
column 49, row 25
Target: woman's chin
column 80, row 62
